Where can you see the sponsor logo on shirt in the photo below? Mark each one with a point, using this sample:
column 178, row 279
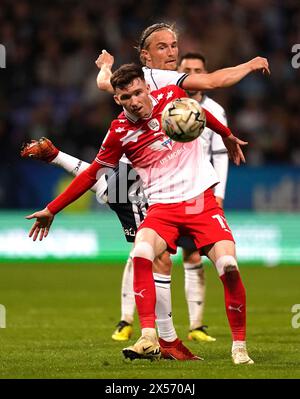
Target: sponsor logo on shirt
column 132, row 135
column 161, row 145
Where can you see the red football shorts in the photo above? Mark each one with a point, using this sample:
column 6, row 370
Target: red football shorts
column 200, row 218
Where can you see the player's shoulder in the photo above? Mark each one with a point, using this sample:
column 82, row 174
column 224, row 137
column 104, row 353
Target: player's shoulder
column 158, row 78
column 120, row 124
column 168, row 93
column 212, row 105
column 160, row 72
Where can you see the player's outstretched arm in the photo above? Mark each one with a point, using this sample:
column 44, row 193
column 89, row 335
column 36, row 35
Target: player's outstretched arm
column 76, row 189
column 225, row 77
column 104, row 62
column 233, row 145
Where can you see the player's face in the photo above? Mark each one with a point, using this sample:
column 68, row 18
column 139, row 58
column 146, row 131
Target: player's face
column 162, row 52
column 135, row 98
column 192, row 66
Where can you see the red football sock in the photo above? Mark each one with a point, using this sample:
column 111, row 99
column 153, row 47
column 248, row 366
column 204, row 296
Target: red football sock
column 235, row 302
column 144, row 291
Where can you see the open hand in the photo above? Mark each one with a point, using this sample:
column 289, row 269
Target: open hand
column 42, row 224
column 260, row 64
column 233, row 145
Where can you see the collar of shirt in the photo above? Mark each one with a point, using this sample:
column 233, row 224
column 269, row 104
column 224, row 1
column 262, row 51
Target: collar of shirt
column 204, row 97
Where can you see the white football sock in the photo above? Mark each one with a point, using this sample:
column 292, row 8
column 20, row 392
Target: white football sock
column 70, row 164
column 127, row 296
column 163, row 308
column 194, row 293
column 238, row 344
column 149, row 332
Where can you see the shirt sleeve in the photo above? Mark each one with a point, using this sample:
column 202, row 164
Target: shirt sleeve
column 220, row 159
column 83, row 182
column 111, row 149
column 220, row 163
column 160, row 78
column 215, row 125
column 179, row 92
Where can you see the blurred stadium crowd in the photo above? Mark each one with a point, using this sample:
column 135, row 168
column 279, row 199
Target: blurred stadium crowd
column 48, row 87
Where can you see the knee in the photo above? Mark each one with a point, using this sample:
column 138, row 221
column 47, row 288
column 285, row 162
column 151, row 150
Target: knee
column 191, row 256
column 143, row 249
column 163, row 264
column 226, row 264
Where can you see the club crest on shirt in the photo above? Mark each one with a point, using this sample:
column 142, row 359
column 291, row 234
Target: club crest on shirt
column 154, row 125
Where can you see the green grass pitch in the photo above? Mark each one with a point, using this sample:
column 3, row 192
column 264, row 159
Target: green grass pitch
column 60, row 317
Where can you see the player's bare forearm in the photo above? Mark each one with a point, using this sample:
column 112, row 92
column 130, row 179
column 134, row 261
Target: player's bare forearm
column 103, row 80
column 225, row 77
column 104, row 62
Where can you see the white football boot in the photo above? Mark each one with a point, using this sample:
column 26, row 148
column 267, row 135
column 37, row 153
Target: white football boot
column 240, row 356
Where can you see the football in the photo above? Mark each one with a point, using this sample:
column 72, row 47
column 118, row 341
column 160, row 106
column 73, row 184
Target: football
column 183, row 119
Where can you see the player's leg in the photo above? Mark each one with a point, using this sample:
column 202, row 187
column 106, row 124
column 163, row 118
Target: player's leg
column 131, row 214
column 170, row 345
column 124, row 328
column 222, row 254
column 44, row 150
column 194, row 284
column 162, row 266
column 213, row 236
column 128, row 302
column 123, row 198
column 161, row 223
column 148, row 245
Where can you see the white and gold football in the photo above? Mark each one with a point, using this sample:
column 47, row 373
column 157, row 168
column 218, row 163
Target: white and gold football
column 183, row 119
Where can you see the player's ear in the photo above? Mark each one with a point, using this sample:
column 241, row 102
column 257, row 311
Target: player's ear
column 145, row 56
column 148, row 88
column 117, row 99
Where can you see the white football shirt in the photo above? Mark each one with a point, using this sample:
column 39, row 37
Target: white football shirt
column 213, row 145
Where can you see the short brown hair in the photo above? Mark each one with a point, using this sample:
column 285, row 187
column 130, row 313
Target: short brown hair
column 123, row 76
column 193, row 56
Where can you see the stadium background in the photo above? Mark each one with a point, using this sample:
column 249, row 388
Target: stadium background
column 48, row 89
